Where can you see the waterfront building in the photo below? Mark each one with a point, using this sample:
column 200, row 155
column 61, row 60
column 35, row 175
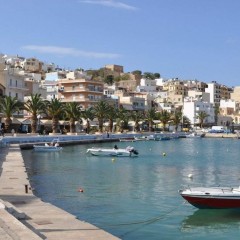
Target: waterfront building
column 78, row 87
column 129, row 102
column 191, row 108
column 217, row 92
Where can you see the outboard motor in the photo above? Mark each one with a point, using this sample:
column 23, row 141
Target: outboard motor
column 135, row 152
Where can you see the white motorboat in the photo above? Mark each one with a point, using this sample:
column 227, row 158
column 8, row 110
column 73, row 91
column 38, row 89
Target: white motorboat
column 212, row 197
column 195, row 135
column 121, row 152
column 142, row 138
column 48, row 147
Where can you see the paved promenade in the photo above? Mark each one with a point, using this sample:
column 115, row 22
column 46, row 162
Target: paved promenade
column 24, row 216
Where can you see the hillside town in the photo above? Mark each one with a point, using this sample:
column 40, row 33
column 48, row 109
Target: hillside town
column 200, row 104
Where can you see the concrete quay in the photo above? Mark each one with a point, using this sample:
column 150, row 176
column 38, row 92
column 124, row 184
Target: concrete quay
column 24, row 216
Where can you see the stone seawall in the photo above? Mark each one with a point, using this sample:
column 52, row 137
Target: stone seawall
column 24, row 216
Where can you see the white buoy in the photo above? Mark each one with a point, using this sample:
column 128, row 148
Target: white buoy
column 190, row 175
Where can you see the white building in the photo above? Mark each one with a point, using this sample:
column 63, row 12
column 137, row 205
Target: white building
column 214, row 89
column 191, row 108
column 146, row 85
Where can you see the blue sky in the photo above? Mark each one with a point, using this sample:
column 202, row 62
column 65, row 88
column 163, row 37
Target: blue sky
column 188, row 39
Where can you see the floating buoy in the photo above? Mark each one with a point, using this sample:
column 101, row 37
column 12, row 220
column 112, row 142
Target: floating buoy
column 164, row 154
column 80, row 190
column 190, row 175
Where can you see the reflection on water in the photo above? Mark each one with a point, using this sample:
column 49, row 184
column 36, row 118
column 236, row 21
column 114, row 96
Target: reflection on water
column 211, row 218
column 127, row 192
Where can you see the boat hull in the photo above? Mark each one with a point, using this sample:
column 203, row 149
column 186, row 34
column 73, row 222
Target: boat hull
column 213, row 202
column 111, row 152
column 46, row 149
column 214, row 198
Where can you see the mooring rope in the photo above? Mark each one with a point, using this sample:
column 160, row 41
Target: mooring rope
column 148, row 221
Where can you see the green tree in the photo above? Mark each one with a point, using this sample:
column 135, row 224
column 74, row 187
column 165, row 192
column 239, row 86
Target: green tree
column 216, row 113
column 111, row 115
column 136, row 117
column 186, row 122
column 73, row 113
column 201, row 116
column 137, row 72
column 122, row 119
column 109, row 79
column 150, row 115
column 177, row 119
column 100, row 111
column 148, row 75
column 8, row 106
column 88, row 115
column 34, row 105
column 54, row 109
column 157, row 75
column 164, row 116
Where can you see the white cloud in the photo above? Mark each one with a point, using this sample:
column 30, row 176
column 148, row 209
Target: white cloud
column 69, row 51
column 110, row 3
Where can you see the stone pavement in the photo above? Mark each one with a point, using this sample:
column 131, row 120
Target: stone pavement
column 24, row 216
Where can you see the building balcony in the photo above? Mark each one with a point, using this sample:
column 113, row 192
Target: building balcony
column 80, row 100
column 19, row 88
column 79, row 89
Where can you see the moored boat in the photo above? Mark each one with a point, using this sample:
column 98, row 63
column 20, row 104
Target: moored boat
column 121, row 152
column 127, row 140
column 195, row 135
column 48, row 147
column 212, row 197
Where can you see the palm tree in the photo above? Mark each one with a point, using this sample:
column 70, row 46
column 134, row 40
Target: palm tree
column 136, row 117
column 34, row 105
column 111, row 115
column 216, row 112
column 201, row 116
column 164, row 116
column 177, row 119
column 88, row 115
column 54, row 110
column 122, row 119
column 100, row 111
column 150, row 115
column 186, row 122
column 73, row 113
column 8, row 106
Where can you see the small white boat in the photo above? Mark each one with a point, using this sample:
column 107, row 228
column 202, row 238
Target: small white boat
column 51, row 147
column 121, row 152
column 212, row 197
column 127, row 140
column 142, row 138
column 195, row 135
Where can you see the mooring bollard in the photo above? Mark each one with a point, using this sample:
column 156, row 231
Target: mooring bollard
column 26, row 188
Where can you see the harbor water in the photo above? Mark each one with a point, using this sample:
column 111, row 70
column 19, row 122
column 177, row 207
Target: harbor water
column 137, row 197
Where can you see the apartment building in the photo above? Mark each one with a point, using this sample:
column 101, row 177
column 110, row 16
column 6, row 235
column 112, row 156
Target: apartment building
column 235, row 95
column 31, row 65
column 80, row 88
column 175, row 87
column 191, row 108
column 195, row 85
column 130, row 102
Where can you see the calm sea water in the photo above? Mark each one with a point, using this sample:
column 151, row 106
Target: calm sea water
column 137, row 198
